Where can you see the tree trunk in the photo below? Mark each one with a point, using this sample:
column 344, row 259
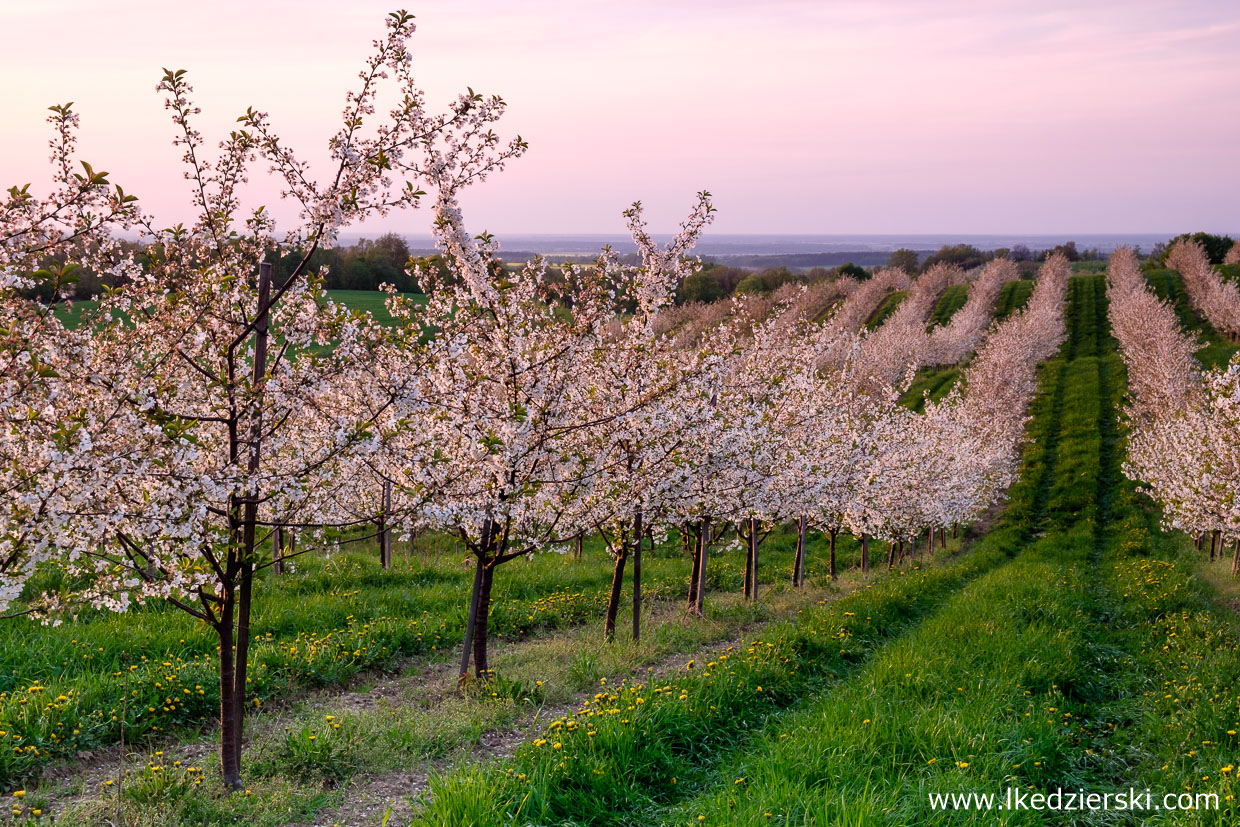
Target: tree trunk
column 235, row 661
column 891, row 556
column 753, row 555
column 480, row 624
column 695, row 559
column 481, row 558
column 943, row 537
column 277, row 554
column 241, row 669
column 865, row 552
column 798, row 562
column 749, row 562
column 1235, row 559
column 617, row 584
column 577, row 547
column 385, row 534
column 470, row 619
column 832, row 533
column 638, row 538
column 703, row 554
column 230, row 758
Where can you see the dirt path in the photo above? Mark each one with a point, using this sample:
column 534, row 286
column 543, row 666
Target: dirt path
column 368, row 799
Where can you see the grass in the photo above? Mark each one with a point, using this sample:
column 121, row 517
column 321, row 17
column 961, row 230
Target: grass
column 885, row 308
column 953, row 299
column 323, row 750
column 371, row 301
column 1012, row 297
column 936, row 382
column 641, row 744
column 61, row 688
column 152, row 671
column 985, row 694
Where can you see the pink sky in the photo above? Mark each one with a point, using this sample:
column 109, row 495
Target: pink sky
column 911, row 116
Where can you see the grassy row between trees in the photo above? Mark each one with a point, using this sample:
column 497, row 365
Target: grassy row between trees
column 889, row 304
column 1012, row 297
column 953, row 299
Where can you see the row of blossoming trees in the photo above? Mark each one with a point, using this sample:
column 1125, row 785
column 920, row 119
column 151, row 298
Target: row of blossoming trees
column 158, row 449
column 1184, row 422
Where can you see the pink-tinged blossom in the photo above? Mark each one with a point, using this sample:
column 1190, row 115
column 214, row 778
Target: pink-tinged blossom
column 1183, row 422
column 1217, row 301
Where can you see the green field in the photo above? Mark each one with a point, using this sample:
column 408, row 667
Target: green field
column 371, row 301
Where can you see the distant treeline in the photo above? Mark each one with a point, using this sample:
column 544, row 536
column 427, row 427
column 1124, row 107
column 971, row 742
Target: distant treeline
column 388, row 258
column 362, row 266
column 718, row 280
